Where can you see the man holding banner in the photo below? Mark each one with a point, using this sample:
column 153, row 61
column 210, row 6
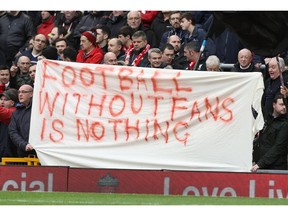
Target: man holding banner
column 270, row 149
column 119, row 117
column 19, row 126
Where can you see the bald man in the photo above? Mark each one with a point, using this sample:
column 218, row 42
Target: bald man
column 20, row 73
column 110, row 59
column 19, row 126
column 245, row 62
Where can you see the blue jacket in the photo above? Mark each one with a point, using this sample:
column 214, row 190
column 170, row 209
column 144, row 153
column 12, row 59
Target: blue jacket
column 179, row 32
column 199, row 35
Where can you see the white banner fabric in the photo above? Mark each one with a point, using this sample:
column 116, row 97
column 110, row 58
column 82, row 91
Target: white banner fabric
column 101, row 116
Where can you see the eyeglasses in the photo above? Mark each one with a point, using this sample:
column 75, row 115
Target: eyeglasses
column 24, row 92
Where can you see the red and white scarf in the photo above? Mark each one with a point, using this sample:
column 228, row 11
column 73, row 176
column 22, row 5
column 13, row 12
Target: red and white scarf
column 138, row 57
column 191, row 65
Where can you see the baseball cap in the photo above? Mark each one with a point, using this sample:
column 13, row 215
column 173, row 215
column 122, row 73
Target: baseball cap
column 11, row 94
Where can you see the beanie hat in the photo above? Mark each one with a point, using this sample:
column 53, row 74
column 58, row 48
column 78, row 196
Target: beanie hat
column 90, row 36
column 50, row 52
column 11, row 94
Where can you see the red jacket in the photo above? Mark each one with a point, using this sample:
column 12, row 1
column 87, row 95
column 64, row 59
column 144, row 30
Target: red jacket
column 6, row 114
column 95, row 56
column 46, row 26
column 148, row 17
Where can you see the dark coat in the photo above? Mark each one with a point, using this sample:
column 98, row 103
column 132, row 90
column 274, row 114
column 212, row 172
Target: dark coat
column 159, row 26
column 19, row 80
column 115, row 23
column 270, row 150
column 179, row 32
column 19, row 129
column 89, row 21
column 144, row 60
column 251, row 68
column 272, row 88
column 7, row 149
column 15, row 32
column 70, row 26
column 228, row 45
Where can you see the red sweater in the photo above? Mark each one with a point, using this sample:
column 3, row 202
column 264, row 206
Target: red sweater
column 95, row 56
column 6, row 114
column 46, row 27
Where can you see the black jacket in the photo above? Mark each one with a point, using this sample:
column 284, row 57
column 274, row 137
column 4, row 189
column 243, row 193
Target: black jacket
column 159, row 26
column 115, row 23
column 15, row 32
column 272, row 88
column 7, row 149
column 19, row 129
column 251, row 68
column 144, row 61
column 270, row 149
column 87, row 22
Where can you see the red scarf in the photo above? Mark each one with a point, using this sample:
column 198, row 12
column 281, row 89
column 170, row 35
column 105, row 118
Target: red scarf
column 138, row 57
column 191, row 65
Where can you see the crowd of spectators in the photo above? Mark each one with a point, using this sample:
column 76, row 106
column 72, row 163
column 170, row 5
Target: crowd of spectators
column 157, row 39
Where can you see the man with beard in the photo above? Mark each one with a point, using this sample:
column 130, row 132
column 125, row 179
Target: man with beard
column 179, row 61
column 61, row 44
column 176, row 29
column 270, row 145
column 56, row 33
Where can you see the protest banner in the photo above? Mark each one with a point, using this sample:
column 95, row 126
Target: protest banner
column 102, row 116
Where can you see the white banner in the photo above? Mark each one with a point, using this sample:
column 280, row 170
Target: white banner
column 100, row 116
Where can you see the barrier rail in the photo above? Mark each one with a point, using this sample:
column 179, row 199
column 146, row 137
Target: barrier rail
column 29, row 161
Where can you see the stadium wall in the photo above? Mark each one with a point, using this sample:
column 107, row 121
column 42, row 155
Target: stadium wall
column 186, row 183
